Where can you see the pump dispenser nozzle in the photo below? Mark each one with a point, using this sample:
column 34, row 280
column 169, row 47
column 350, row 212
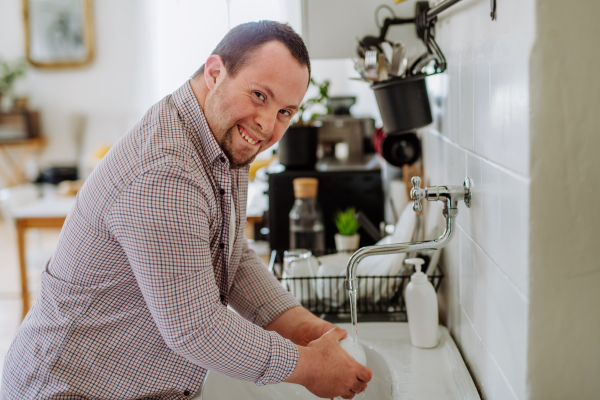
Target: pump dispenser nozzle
column 417, row 262
column 418, row 276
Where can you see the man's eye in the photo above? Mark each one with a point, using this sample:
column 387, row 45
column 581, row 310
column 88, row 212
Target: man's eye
column 260, row 95
column 285, row 112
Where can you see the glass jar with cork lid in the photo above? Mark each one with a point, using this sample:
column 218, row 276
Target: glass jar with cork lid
column 306, row 221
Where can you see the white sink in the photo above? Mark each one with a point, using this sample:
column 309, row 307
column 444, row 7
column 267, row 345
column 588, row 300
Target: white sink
column 400, row 371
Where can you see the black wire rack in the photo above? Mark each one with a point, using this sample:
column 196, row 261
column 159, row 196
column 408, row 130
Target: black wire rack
column 327, row 296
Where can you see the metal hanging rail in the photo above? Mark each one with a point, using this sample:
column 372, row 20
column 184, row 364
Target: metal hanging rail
column 424, row 20
column 444, row 5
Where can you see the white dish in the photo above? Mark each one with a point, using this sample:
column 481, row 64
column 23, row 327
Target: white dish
column 388, row 265
column 332, row 290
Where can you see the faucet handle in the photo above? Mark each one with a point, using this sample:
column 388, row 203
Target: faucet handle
column 416, row 193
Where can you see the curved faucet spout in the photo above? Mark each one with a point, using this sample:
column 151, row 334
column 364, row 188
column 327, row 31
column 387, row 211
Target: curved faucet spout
column 384, row 249
column 450, row 195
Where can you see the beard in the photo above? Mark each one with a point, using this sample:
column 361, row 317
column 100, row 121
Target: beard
column 216, row 112
column 226, row 144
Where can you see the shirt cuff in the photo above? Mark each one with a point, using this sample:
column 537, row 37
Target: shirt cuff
column 284, row 357
column 274, row 308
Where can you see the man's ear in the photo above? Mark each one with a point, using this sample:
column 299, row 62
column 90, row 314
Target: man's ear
column 213, row 68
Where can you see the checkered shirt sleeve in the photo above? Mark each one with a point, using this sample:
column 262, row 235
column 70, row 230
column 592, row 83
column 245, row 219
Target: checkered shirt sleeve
column 255, row 293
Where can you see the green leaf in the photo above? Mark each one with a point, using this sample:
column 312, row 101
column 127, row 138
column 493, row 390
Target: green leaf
column 345, row 222
column 320, row 98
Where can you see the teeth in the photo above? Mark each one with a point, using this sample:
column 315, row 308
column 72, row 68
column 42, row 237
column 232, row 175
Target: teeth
column 248, row 138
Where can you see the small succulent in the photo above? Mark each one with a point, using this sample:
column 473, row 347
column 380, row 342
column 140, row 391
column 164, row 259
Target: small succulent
column 345, row 222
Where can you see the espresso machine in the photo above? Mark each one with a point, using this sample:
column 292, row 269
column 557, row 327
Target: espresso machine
column 343, row 139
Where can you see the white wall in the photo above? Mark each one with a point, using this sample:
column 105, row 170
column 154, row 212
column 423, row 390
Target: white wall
column 521, row 119
column 116, row 87
column 564, row 342
column 485, row 134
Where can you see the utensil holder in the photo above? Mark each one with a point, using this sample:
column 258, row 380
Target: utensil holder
column 403, row 103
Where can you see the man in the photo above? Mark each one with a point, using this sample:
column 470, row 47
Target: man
column 134, row 301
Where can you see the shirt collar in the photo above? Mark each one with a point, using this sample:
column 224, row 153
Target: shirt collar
column 192, row 113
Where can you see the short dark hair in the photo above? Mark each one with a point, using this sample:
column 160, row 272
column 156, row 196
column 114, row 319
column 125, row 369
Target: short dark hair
column 236, row 48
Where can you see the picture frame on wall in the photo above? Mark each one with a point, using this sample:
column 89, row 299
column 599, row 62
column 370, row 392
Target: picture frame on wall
column 58, row 33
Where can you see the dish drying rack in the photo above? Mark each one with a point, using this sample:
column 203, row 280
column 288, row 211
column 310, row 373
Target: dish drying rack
column 376, row 295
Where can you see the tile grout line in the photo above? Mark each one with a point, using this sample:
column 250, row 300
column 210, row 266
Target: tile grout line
column 489, row 352
column 495, row 264
column 493, row 163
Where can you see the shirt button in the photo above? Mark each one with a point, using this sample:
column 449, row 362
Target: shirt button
column 222, row 159
column 186, row 393
column 222, row 191
column 222, row 245
column 222, row 297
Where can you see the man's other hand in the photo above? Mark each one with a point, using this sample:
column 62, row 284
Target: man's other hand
column 300, row 326
column 311, row 330
column 327, row 370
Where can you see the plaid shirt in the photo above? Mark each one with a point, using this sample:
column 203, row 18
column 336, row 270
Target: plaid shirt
column 134, row 300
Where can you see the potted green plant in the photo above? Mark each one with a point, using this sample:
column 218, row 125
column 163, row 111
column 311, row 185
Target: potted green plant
column 348, row 238
column 9, row 73
column 298, row 146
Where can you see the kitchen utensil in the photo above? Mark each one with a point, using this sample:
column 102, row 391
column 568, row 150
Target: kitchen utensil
column 421, row 63
column 371, row 67
column 399, row 61
column 387, row 49
column 382, row 67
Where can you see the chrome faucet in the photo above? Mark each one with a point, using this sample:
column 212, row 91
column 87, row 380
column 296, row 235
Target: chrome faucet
column 450, row 195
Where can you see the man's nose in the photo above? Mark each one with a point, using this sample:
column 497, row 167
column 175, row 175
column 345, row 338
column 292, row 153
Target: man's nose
column 265, row 119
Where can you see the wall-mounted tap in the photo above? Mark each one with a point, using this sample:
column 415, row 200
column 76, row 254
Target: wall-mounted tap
column 450, row 195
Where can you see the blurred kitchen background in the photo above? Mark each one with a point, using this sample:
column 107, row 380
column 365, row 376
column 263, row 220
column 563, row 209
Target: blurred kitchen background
column 515, row 109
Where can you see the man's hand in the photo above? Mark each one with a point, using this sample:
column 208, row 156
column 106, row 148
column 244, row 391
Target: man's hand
column 300, row 326
column 327, row 370
column 310, row 330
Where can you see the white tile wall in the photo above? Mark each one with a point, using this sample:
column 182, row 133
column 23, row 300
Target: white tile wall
column 485, row 135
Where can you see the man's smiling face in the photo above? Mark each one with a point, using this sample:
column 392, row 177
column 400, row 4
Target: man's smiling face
column 250, row 112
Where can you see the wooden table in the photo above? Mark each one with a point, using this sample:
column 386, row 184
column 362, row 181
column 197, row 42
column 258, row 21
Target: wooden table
column 44, row 213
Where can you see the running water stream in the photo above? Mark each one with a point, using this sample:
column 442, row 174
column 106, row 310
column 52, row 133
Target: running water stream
column 353, row 315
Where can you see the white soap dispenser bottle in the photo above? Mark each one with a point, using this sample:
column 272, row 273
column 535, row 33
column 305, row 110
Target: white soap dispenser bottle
column 422, row 308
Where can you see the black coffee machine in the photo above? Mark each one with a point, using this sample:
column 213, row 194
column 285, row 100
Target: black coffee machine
column 358, row 187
